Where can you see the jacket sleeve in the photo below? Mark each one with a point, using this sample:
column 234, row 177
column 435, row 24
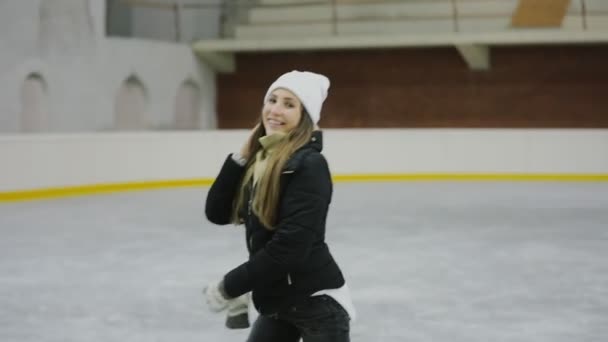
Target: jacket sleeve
column 302, row 213
column 218, row 206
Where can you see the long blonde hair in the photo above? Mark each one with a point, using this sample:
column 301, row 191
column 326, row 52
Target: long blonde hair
column 265, row 203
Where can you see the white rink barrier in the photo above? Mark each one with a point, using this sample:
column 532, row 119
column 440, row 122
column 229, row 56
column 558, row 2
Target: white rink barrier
column 38, row 166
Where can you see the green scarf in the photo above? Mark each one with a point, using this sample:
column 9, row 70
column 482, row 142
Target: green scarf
column 268, row 142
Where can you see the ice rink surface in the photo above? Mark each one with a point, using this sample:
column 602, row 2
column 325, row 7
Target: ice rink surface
column 433, row 262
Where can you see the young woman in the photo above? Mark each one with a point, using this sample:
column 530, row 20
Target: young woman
column 279, row 186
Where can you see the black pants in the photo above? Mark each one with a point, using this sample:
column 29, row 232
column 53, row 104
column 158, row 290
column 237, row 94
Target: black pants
column 319, row 319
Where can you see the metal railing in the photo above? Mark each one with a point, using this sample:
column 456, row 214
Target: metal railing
column 178, row 7
column 235, row 12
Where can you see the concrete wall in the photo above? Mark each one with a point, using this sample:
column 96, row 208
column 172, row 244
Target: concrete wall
column 63, row 42
column 43, row 161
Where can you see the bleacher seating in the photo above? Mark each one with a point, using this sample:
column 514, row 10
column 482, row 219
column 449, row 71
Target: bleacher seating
column 469, row 25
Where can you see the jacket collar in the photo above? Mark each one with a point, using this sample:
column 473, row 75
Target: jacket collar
column 315, row 144
column 316, row 141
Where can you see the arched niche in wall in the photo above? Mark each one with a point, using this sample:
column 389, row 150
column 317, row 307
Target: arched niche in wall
column 188, row 106
column 130, row 105
column 34, row 104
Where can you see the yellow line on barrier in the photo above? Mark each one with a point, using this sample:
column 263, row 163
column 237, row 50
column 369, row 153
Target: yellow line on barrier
column 68, row 191
column 473, row 177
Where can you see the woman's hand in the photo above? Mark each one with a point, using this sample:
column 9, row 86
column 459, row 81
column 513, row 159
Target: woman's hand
column 216, row 297
column 245, row 148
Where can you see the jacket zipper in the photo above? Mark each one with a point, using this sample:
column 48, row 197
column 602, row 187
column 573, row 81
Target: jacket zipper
column 249, row 203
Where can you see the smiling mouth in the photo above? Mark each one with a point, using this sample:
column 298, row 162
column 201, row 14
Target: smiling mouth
column 273, row 122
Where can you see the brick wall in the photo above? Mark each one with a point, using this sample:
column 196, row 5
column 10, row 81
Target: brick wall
column 548, row 86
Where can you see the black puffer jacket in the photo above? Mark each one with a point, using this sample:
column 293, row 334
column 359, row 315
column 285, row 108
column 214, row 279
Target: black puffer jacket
column 292, row 261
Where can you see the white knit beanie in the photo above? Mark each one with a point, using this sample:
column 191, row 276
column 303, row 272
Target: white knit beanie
column 309, row 87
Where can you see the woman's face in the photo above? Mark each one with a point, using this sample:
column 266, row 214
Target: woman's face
column 281, row 112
